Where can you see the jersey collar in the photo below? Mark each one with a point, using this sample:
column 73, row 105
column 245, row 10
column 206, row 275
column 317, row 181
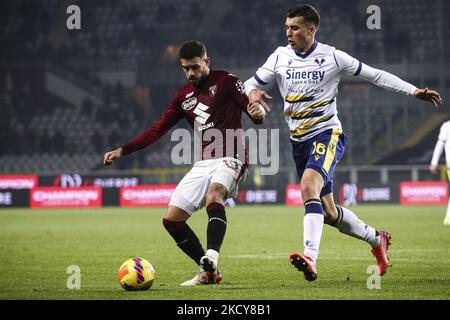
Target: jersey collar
column 307, row 53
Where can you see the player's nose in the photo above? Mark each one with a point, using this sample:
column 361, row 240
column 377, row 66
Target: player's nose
column 190, row 73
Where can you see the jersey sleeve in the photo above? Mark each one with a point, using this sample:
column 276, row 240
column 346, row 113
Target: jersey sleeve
column 171, row 116
column 237, row 93
column 264, row 75
column 444, row 132
column 346, row 63
column 351, row 66
column 440, row 144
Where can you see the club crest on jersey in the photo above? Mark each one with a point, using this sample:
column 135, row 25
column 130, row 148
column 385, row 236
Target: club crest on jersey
column 189, row 103
column 213, row 90
column 231, row 164
column 319, row 62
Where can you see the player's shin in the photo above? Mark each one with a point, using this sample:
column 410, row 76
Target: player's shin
column 185, row 238
column 215, row 233
column 348, row 223
column 312, row 227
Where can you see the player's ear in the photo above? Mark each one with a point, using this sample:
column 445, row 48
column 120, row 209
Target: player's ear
column 208, row 61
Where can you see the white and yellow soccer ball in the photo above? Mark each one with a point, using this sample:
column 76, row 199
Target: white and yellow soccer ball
column 136, row 274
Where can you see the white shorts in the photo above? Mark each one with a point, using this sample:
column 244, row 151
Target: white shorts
column 190, row 193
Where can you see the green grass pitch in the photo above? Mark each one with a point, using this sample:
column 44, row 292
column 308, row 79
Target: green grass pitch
column 37, row 246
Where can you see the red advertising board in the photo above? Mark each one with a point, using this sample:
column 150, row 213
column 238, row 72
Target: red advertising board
column 18, row 181
column 293, row 195
column 424, row 193
column 56, row 197
column 146, row 195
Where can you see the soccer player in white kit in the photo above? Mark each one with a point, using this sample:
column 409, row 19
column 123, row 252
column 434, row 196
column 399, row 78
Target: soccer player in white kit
column 442, row 144
column 308, row 73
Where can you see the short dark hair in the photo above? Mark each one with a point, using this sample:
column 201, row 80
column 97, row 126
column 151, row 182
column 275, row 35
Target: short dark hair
column 191, row 49
column 308, row 12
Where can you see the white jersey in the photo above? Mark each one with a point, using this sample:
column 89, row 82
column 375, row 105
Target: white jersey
column 442, row 143
column 309, row 83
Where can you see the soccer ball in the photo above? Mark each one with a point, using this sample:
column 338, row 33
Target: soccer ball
column 136, row 274
column 261, row 108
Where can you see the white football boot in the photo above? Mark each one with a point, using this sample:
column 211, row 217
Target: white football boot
column 208, row 273
column 199, row 279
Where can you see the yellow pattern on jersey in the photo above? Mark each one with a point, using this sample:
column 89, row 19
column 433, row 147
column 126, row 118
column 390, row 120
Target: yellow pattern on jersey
column 304, row 127
column 294, row 99
column 298, row 114
column 317, row 104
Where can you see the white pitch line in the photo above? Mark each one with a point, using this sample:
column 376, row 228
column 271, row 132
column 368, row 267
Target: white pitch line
column 396, row 252
column 285, row 256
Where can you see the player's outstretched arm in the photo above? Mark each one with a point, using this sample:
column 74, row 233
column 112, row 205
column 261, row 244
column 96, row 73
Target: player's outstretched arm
column 429, row 95
column 110, row 156
column 384, row 79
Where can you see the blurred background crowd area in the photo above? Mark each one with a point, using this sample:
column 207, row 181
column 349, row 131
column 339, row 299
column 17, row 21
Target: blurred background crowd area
column 68, row 96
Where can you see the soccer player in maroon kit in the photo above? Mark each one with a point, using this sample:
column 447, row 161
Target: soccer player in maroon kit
column 212, row 102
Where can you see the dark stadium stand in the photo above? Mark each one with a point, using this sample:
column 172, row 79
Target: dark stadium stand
column 43, row 130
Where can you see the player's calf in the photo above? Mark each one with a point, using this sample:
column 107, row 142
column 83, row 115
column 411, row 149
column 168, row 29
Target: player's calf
column 185, row 238
column 348, row 223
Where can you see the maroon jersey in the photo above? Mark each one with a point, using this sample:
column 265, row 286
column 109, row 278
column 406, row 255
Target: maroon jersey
column 216, row 103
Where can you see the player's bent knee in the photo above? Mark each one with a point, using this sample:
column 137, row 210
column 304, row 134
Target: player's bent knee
column 311, row 184
column 216, row 193
column 308, row 191
column 213, row 197
column 176, row 214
